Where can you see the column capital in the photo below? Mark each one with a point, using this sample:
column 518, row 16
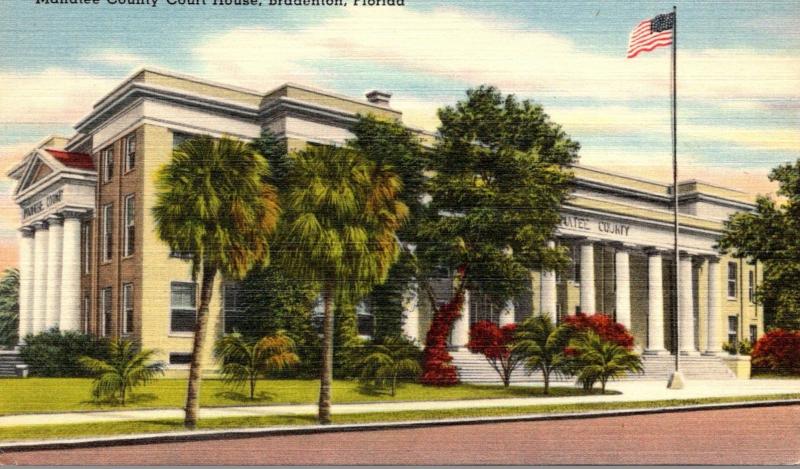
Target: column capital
column 621, row 245
column 27, row 231
column 655, row 250
column 585, row 241
column 40, row 225
column 713, row 258
column 74, row 214
column 55, row 220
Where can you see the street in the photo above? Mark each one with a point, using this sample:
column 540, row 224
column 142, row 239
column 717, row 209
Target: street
column 765, row 435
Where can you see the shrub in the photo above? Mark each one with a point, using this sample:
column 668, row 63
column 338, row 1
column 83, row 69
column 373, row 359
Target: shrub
column 543, row 346
column 604, row 326
column 437, row 366
column 244, row 360
column 57, row 354
column 744, row 347
column 778, row 351
column 598, row 359
column 495, row 343
column 126, row 368
column 396, row 358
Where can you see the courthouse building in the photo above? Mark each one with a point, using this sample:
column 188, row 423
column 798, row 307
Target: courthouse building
column 90, row 260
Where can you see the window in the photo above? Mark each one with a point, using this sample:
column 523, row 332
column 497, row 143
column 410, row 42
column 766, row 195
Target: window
column 107, row 156
column 232, row 307
column 130, row 152
column 733, row 330
column 183, row 307
column 108, row 234
column 753, row 334
column 365, row 319
column 576, row 263
column 178, row 138
column 86, row 312
column 127, row 308
column 180, row 254
column 751, row 286
column 105, row 311
column 86, row 238
column 130, row 228
column 732, row 280
column 180, row 358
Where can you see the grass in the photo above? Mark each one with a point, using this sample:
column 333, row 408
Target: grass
column 173, row 425
column 36, row 395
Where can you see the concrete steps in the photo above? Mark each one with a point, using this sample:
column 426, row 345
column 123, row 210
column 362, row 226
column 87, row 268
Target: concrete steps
column 9, row 359
column 474, row 369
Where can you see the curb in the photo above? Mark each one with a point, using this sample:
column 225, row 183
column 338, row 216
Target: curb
column 204, row 435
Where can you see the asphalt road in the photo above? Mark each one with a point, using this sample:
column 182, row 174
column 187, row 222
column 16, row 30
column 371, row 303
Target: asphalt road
column 764, row 435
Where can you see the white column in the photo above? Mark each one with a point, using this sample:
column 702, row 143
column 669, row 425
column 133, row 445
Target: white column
column 411, row 312
column 507, row 314
column 39, row 277
column 26, row 253
column 587, row 278
column 622, row 273
column 55, row 249
column 714, row 307
column 460, row 332
column 547, row 294
column 70, row 318
column 655, row 304
column 686, row 299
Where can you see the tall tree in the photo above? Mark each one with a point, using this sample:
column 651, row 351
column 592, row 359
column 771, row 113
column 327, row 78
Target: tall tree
column 392, row 146
column 500, row 175
column 9, row 307
column 771, row 235
column 339, row 231
column 213, row 203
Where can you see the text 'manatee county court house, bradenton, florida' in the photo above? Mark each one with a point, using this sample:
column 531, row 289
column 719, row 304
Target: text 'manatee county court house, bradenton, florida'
column 90, row 259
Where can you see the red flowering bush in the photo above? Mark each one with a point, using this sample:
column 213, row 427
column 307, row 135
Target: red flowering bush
column 778, row 351
column 437, row 369
column 604, row 326
column 494, row 343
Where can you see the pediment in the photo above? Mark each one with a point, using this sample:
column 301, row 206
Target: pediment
column 36, row 170
column 43, row 163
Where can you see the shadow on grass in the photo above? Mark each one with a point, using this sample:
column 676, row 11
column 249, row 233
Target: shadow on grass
column 237, row 396
column 555, row 391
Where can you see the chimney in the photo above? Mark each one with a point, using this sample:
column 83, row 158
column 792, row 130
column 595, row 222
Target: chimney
column 379, row 98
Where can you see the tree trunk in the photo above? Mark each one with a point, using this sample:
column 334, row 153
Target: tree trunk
column 394, row 384
column 195, row 369
column 123, row 394
column 546, row 375
column 252, row 387
column 326, row 371
column 603, row 385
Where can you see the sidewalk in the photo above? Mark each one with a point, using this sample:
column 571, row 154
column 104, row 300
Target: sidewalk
column 632, row 391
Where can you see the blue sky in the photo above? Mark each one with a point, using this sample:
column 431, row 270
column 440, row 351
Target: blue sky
column 739, row 70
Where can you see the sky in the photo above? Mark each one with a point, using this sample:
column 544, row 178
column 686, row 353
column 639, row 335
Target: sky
column 738, row 71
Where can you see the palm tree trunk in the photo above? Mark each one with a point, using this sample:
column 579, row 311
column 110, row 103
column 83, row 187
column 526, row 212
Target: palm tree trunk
column 122, row 392
column 394, row 383
column 546, row 374
column 195, row 369
column 326, row 371
column 252, row 387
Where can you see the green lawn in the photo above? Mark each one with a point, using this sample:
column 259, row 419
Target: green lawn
column 44, row 432
column 38, row 395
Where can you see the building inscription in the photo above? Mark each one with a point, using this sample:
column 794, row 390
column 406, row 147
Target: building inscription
column 599, row 226
column 45, row 202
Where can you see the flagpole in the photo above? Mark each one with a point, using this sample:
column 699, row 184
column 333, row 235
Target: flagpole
column 673, row 383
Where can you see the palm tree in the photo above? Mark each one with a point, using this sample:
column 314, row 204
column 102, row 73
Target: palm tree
column 341, row 213
column 9, row 307
column 600, row 359
column 213, row 203
column 395, row 358
column 542, row 345
column 125, row 369
column 243, row 361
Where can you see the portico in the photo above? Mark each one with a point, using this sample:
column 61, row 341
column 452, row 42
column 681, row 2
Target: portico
column 55, row 194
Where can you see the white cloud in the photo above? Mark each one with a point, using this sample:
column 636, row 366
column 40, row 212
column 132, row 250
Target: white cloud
column 54, row 95
column 119, row 58
column 450, row 43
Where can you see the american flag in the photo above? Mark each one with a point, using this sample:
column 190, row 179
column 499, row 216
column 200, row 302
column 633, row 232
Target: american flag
column 650, row 34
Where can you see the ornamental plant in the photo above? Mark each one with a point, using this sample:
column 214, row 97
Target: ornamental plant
column 601, row 360
column 543, row 347
column 604, row 326
column 778, row 351
column 437, row 361
column 126, row 368
column 244, row 361
column 496, row 345
column 396, row 359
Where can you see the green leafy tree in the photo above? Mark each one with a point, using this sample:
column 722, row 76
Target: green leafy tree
column 499, row 177
column 213, row 203
column 771, row 234
column 543, row 347
column 9, row 307
column 338, row 231
column 125, row 369
column 600, row 360
column 244, row 361
column 394, row 359
column 389, row 144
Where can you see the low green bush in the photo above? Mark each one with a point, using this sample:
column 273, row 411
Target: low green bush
column 56, row 354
